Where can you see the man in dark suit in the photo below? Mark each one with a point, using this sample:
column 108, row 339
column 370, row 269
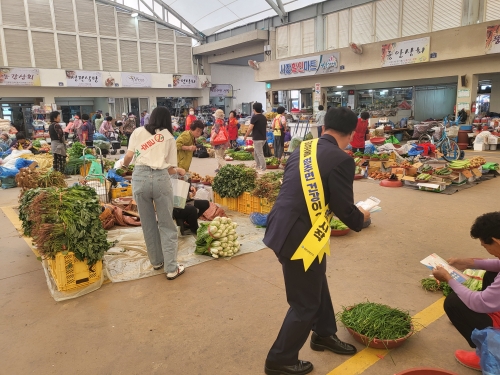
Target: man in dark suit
column 288, row 224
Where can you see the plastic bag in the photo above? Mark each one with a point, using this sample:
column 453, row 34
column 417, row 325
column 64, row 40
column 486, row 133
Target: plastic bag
column 488, row 349
column 294, row 143
column 258, row 219
column 87, row 157
column 100, row 137
column 112, row 175
column 23, row 163
column 202, row 194
column 8, row 172
column 181, row 191
column 392, row 139
column 96, row 170
column 369, row 148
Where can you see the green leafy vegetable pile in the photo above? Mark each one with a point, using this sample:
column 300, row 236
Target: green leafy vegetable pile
column 76, row 150
column 475, row 283
column 337, row 224
column 201, row 140
column 36, row 143
column 272, row 161
column 268, row 186
column 377, row 321
column 73, row 166
column 62, row 220
column 240, row 155
column 233, row 180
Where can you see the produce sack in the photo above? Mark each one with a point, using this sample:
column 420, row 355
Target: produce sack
column 181, row 191
column 258, row 219
column 96, row 170
column 392, row 139
column 23, row 163
column 8, row 172
column 488, row 349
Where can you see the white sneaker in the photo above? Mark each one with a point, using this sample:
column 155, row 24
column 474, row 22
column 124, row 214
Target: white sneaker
column 179, row 271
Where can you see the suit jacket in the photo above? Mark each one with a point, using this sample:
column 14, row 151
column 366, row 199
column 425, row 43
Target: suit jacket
column 289, row 222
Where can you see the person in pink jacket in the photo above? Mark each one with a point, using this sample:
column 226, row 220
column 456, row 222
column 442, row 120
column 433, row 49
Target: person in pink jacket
column 467, row 309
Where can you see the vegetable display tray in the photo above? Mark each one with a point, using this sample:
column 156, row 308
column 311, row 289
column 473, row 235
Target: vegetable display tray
column 379, row 344
column 70, row 273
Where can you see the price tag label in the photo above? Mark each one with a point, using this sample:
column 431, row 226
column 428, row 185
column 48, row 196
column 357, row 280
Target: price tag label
column 467, row 173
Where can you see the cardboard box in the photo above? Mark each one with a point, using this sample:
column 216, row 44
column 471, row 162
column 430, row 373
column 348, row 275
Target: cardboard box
column 398, row 171
column 458, row 177
column 409, row 181
column 435, row 187
column 377, row 164
column 440, row 180
column 412, row 171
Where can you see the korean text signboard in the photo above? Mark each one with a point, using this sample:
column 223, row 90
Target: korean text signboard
column 493, row 39
column 407, row 52
column 309, row 66
column 19, row 77
column 83, row 78
column 186, row 81
column 225, row 91
column 136, row 80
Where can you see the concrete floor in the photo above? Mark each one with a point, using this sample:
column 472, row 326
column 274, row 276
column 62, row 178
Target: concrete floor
column 221, row 317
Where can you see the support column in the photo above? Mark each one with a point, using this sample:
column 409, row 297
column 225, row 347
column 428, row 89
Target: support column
column 471, row 85
column 495, row 94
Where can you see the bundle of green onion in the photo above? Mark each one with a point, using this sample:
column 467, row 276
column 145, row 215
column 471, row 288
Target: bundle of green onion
column 377, row 321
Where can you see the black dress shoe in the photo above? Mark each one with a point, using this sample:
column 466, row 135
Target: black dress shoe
column 332, row 343
column 300, row 368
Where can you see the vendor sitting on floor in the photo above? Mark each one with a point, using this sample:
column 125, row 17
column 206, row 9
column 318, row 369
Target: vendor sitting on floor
column 187, row 217
column 467, row 309
column 21, row 143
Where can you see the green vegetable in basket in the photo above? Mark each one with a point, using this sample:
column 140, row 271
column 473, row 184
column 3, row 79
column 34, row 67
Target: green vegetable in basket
column 377, row 321
column 337, row 224
column 273, row 161
column 241, row 155
column 36, row 143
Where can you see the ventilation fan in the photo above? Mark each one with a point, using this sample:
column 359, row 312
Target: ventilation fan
column 253, row 64
column 356, row 48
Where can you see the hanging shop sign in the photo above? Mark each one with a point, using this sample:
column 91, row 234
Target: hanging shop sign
column 221, row 91
column 136, row 80
column 19, row 77
column 407, row 52
column 84, row 78
column 493, row 39
column 309, row 66
column 317, row 92
column 186, row 81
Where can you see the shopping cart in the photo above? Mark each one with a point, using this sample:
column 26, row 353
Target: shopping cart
column 93, row 177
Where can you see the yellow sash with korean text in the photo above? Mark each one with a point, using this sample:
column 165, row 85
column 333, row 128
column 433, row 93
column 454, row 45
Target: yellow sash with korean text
column 317, row 241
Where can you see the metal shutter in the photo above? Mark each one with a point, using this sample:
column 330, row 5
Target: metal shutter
column 18, row 48
column 13, row 13
column 86, row 16
column 183, row 39
column 184, row 59
column 109, row 52
column 45, row 50
column 415, row 17
column 362, row 24
column 130, row 60
column 90, row 55
column 295, row 41
column 107, row 21
column 68, row 51
column 493, row 10
column 149, row 63
column 387, row 13
column 281, row 42
column 126, row 25
column 332, row 31
column 40, row 17
column 167, row 58
column 308, row 36
column 344, row 28
column 147, row 30
column 65, row 16
column 447, row 14
column 165, row 35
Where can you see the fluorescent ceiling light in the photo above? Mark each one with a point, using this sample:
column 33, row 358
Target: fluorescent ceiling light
column 339, row 87
column 134, row 15
column 338, row 92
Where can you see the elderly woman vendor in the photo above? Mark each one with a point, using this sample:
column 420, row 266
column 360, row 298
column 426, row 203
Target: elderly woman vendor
column 467, row 309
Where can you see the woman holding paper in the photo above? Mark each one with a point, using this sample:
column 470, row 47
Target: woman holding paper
column 155, row 152
column 469, row 310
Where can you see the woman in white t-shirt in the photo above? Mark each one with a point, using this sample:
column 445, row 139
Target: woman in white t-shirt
column 155, row 152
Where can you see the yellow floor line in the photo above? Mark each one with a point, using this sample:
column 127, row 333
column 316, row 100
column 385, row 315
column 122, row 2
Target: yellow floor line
column 368, row 357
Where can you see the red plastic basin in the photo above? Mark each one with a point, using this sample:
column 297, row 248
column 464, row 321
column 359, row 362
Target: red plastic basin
column 426, row 371
column 338, row 233
column 378, row 140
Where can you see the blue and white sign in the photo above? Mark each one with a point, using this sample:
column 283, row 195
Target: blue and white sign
column 309, row 66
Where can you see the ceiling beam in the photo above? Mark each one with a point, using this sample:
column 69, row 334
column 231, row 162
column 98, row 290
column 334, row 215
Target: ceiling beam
column 193, row 29
column 276, row 8
column 281, row 6
column 199, row 36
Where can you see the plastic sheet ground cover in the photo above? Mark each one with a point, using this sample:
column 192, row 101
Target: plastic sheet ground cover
column 128, row 259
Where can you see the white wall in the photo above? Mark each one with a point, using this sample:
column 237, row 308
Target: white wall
column 245, row 89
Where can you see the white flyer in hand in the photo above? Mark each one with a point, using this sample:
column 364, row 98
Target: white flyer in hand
column 434, row 260
column 370, row 205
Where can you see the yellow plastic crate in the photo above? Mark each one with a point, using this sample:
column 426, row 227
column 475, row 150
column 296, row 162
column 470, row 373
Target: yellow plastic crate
column 248, row 203
column 232, row 203
column 121, row 192
column 70, row 273
column 217, row 198
column 265, row 206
